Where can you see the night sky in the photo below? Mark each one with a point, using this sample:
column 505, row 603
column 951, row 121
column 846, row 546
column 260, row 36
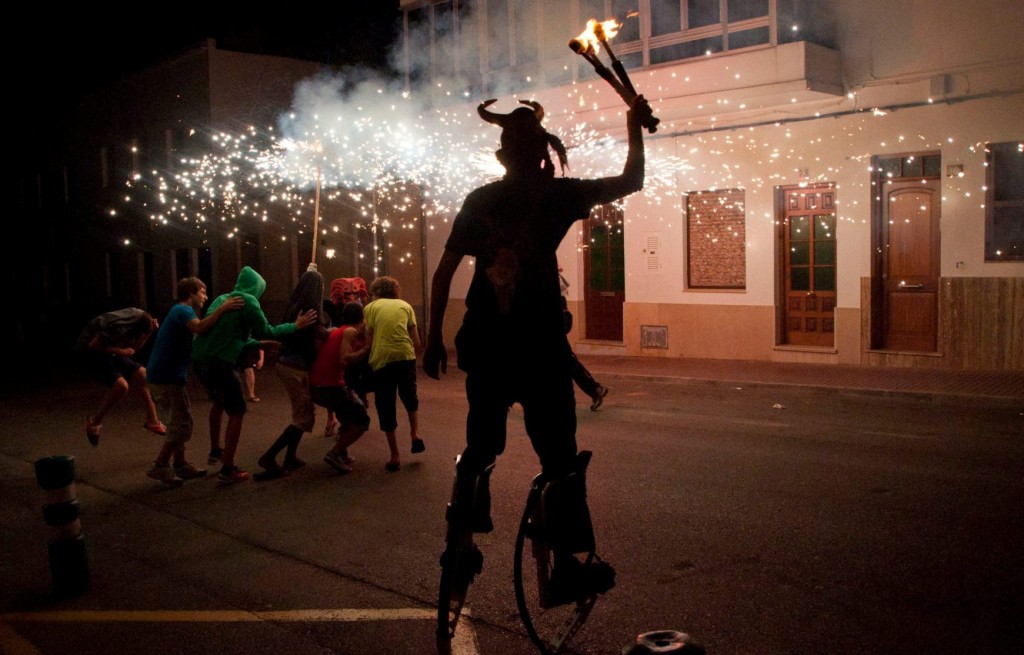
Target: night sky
column 59, row 51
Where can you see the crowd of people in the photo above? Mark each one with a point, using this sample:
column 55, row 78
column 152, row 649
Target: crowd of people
column 327, row 354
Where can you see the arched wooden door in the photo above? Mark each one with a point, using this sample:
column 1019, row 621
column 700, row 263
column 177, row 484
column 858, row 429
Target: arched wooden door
column 910, row 258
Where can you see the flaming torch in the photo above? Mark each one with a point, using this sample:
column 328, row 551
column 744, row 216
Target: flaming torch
column 587, row 46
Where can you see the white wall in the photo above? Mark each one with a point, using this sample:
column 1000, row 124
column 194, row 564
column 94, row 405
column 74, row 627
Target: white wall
column 893, row 54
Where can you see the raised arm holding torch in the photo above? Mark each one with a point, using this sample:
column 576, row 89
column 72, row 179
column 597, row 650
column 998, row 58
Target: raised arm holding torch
column 585, row 45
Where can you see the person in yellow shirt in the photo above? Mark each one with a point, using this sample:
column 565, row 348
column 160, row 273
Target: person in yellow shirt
column 394, row 343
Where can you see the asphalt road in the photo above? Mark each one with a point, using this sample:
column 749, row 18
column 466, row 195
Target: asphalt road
column 759, row 521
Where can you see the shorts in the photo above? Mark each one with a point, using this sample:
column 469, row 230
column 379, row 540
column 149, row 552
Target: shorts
column 106, row 368
column 173, row 405
column 345, row 404
column 223, row 385
column 391, row 379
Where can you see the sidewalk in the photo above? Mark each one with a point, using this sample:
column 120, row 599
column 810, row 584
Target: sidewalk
column 996, row 385
column 1006, row 385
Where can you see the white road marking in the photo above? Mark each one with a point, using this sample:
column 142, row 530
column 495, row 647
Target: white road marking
column 464, row 643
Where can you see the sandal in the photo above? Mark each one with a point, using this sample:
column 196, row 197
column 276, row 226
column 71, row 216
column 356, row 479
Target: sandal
column 156, row 428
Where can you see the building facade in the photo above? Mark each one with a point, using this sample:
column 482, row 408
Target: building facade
column 831, row 182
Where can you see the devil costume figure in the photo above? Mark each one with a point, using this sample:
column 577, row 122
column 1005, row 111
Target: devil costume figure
column 512, row 342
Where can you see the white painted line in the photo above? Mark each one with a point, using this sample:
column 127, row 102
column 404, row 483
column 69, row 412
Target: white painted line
column 464, row 643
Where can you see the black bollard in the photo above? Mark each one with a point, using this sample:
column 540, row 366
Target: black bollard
column 663, row 641
column 69, row 566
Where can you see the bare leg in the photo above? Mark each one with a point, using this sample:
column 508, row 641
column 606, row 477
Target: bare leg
column 231, row 436
column 347, row 435
column 216, row 412
column 139, row 380
column 163, row 458
column 332, row 424
column 395, row 460
column 110, row 398
column 414, row 425
column 179, row 455
column 249, row 382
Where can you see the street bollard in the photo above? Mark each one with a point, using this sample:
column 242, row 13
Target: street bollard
column 663, row 641
column 69, row 566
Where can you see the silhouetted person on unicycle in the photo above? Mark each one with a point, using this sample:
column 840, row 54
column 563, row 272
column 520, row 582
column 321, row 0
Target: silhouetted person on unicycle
column 512, row 343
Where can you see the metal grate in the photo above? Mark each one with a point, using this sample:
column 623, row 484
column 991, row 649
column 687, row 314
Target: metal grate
column 654, row 336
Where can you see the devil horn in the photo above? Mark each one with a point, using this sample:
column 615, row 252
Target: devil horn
column 491, row 117
column 538, row 110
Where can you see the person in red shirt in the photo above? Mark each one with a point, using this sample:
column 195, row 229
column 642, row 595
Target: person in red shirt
column 344, row 346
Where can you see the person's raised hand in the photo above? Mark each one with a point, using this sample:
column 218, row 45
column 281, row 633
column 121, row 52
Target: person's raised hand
column 641, row 114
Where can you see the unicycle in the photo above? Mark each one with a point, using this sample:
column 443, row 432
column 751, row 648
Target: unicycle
column 552, row 626
column 461, row 562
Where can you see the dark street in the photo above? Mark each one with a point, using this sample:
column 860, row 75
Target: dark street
column 760, row 519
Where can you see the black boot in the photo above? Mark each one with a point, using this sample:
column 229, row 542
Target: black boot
column 472, row 502
column 268, row 460
column 566, row 515
column 291, row 461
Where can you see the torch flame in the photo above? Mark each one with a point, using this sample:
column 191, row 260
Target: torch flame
column 596, row 32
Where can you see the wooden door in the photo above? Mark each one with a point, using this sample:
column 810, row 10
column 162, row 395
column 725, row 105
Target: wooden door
column 807, row 245
column 605, row 274
column 910, row 264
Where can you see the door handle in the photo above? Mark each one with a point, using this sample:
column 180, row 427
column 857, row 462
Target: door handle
column 904, row 285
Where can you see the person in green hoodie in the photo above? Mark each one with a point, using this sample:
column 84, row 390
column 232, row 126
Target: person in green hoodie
column 218, row 355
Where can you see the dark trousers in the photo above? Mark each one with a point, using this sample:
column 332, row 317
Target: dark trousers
column 581, row 376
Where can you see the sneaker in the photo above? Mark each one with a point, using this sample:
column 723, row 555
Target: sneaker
column 156, row 428
column 418, row 446
column 598, row 397
column 345, row 457
column 214, row 458
column 164, row 474
column 335, row 461
column 92, row 432
column 189, row 471
column 232, row 474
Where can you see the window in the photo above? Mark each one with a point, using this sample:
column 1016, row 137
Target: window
column 514, row 45
column 684, row 29
column 1004, row 202
column 716, row 252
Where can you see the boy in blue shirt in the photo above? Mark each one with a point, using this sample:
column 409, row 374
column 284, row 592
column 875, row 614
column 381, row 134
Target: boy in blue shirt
column 168, row 375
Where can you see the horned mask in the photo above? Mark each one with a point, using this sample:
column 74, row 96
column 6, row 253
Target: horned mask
column 521, row 129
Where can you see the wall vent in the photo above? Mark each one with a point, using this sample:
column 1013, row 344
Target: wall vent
column 654, row 336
